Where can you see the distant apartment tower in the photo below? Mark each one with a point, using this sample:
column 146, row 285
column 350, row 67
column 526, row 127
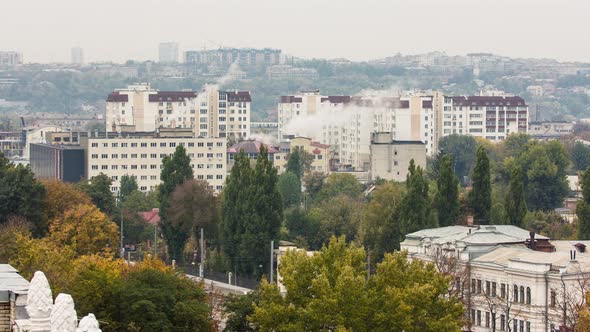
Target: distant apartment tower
column 227, row 56
column 77, row 56
column 209, row 113
column 168, row 52
column 11, row 58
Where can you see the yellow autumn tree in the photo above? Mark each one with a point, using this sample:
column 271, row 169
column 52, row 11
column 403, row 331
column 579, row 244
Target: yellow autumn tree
column 61, row 197
column 86, row 230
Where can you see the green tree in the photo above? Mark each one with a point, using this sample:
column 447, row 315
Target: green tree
column 380, row 228
column 299, row 161
column 128, row 186
column 463, row 149
column 447, row 197
column 337, row 216
column 252, row 213
column 583, row 207
column 192, row 206
column 415, row 213
column 238, row 308
column 313, row 182
column 480, row 197
column 290, row 188
column 176, row 170
column 340, row 184
column 580, row 156
column 21, row 195
column 544, row 166
column 302, row 228
column 401, row 296
column 515, row 203
column 98, row 188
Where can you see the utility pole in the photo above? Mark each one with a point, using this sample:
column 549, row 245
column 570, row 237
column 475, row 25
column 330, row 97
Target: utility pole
column 121, row 229
column 202, row 267
column 272, row 259
column 155, row 240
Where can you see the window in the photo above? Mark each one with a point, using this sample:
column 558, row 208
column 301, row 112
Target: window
column 209, row 155
column 162, row 145
column 219, row 155
column 123, row 145
column 105, row 167
column 488, row 288
column 94, row 145
column 521, row 326
column 515, row 294
column 200, row 155
column 133, row 166
column 473, row 286
column 114, row 156
column 153, row 145
column 134, row 155
column 502, row 322
column 95, row 156
column 478, row 286
column 220, row 144
column 219, row 177
column 143, row 166
column 200, row 144
column 199, row 177
column 95, row 167
column 133, row 145
column 478, row 322
column 521, row 294
column 115, row 145
column 493, row 289
column 209, row 144
column 528, row 295
column 123, row 166
column 154, row 155
column 528, row 326
column 104, row 156
column 487, row 319
column 144, row 155
column 105, row 145
column 172, row 144
column 153, row 177
column 553, row 299
column 144, row 177
column 209, row 177
column 114, row 166
column 191, row 145
column 219, row 166
column 153, row 166
column 144, row 145
column 515, row 325
column 143, row 188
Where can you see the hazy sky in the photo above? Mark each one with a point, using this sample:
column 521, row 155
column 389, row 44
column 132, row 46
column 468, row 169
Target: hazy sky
column 45, row 30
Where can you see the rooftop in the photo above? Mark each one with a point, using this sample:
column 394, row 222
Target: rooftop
column 11, row 280
column 250, row 146
column 474, row 235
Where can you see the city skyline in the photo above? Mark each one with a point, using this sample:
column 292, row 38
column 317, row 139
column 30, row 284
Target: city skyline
column 354, row 30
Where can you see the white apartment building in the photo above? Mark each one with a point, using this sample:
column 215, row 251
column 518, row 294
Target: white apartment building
column 10, row 58
column 489, row 117
column 346, row 122
column 141, row 156
column 508, row 279
column 168, row 52
column 210, row 112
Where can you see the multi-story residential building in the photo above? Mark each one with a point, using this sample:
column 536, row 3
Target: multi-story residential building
column 168, row 52
column 77, row 56
column 489, row 117
column 543, row 130
column 140, row 155
column 10, row 58
column 210, row 112
column 252, row 150
column 391, row 158
column 11, row 143
column 227, row 56
column 508, row 279
column 346, row 122
column 320, row 154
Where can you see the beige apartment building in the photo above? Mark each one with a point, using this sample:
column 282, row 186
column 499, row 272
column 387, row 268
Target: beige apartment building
column 141, row 156
column 210, row 112
column 390, row 158
column 320, row 153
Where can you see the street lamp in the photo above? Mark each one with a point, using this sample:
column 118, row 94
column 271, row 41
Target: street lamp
column 493, row 317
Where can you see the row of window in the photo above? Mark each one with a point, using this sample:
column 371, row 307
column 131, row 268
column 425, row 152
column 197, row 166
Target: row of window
column 145, row 188
column 518, row 325
column 518, row 293
column 145, row 167
column 153, row 155
column 155, row 145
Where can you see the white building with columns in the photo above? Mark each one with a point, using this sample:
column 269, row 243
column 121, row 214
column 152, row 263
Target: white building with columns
column 508, row 279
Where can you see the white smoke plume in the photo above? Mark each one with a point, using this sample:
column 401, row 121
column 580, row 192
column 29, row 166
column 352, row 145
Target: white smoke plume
column 264, row 138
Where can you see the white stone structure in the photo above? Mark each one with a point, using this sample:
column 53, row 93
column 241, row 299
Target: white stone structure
column 46, row 316
column 391, row 158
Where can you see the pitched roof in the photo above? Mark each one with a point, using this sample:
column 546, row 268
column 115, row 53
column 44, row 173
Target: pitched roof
column 151, row 217
column 250, row 146
column 116, row 97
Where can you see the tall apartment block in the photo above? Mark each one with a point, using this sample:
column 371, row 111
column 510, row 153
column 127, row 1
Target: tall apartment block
column 77, row 56
column 140, row 155
column 346, row 122
column 168, row 52
column 209, row 113
column 10, row 58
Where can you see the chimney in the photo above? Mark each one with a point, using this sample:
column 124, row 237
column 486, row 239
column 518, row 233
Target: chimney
column 469, row 220
column 532, row 243
column 572, row 255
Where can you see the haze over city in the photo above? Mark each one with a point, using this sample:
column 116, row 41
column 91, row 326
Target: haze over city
column 357, row 30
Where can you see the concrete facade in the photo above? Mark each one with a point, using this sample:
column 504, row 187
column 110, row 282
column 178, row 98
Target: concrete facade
column 390, row 158
column 319, row 152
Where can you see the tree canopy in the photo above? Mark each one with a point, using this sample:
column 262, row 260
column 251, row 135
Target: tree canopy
column 401, row 296
column 98, row 188
column 480, row 197
column 290, row 188
column 447, row 195
column 463, row 149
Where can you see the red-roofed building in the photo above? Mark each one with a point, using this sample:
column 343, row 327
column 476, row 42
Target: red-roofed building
column 320, row 154
column 151, row 217
column 252, row 150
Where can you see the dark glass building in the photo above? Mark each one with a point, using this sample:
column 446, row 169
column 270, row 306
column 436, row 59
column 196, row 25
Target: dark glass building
column 57, row 162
